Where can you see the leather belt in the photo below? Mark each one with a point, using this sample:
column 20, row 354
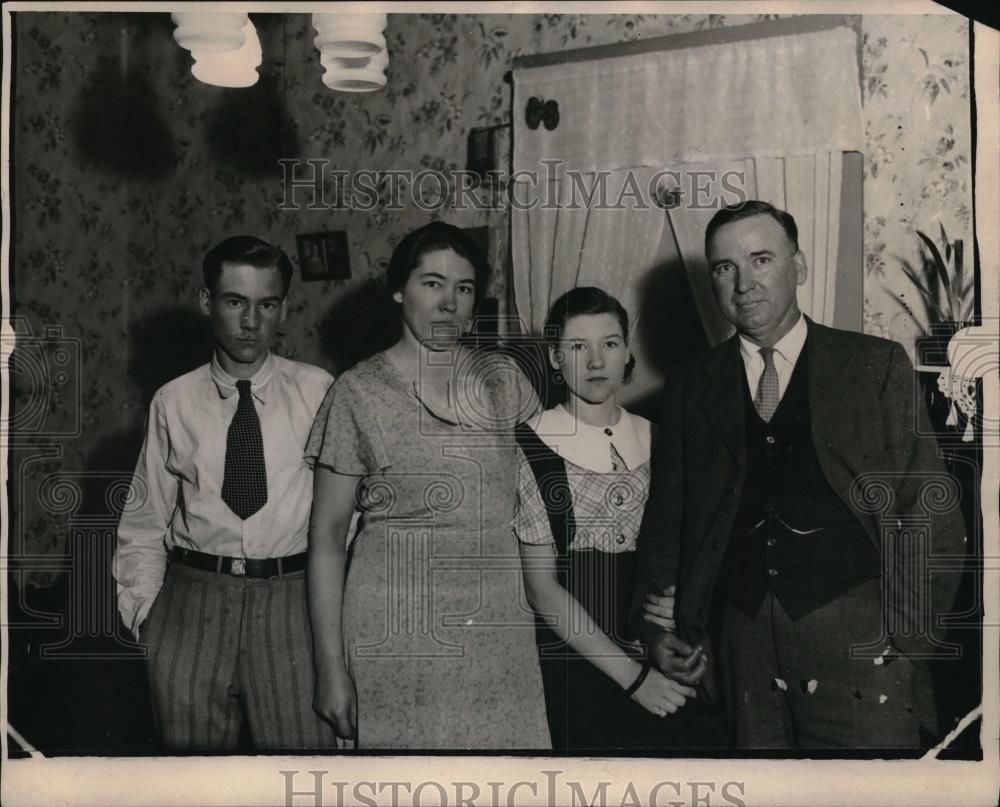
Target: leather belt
column 239, row 567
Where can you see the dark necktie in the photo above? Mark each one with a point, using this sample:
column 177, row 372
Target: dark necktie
column 244, row 487
column 766, row 400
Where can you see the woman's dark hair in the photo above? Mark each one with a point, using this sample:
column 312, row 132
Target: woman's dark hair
column 245, row 249
column 581, row 301
column 432, row 237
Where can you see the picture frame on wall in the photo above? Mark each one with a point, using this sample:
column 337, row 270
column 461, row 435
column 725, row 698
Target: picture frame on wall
column 324, row 256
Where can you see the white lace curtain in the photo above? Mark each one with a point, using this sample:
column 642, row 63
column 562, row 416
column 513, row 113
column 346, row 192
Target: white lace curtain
column 777, row 113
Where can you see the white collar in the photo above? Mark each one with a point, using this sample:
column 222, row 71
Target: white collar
column 226, row 384
column 788, row 347
column 590, row 446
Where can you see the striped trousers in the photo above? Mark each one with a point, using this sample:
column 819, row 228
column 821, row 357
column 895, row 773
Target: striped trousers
column 224, row 649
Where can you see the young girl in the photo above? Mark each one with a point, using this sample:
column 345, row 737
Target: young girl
column 582, row 486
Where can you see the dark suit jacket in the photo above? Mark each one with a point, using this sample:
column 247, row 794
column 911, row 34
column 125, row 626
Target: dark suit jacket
column 864, row 411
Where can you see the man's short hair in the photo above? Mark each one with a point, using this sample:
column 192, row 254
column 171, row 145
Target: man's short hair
column 246, row 249
column 747, row 209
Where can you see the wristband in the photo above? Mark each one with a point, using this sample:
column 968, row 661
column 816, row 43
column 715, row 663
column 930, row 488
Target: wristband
column 638, row 680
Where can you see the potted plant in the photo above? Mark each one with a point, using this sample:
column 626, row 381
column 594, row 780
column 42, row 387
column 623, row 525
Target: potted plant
column 946, row 292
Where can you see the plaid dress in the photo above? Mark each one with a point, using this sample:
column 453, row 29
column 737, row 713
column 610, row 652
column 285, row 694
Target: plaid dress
column 592, row 517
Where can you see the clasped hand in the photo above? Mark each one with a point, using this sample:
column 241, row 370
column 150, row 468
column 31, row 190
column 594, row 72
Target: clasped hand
column 670, row 654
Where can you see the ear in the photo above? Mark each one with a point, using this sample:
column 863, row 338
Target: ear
column 556, row 357
column 801, row 268
column 397, row 296
column 205, row 300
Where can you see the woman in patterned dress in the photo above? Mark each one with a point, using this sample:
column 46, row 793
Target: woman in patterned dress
column 583, row 480
column 421, row 640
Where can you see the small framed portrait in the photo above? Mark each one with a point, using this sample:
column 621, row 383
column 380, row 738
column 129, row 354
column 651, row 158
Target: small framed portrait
column 324, row 256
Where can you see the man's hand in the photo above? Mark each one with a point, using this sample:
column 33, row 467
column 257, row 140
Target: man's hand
column 659, row 609
column 676, row 659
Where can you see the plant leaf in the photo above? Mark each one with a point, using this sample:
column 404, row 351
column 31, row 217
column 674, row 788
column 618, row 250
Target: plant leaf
column 914, row 278
column 939, row 265
column 968, row 312
column 958, row 261
column 909, row 311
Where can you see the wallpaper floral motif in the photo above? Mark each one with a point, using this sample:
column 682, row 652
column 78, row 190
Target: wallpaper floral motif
column 126, row 170
column 918, row 173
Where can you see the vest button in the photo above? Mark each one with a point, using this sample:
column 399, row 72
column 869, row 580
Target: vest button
column 619, row 500
column 770, row 440
column 620, row 539
column 772, row 572
column 771, row 542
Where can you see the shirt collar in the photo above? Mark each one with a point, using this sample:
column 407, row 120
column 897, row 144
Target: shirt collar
column 226, row 384
column 788, row 347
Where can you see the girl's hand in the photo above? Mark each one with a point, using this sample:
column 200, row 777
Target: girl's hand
column 661, row 696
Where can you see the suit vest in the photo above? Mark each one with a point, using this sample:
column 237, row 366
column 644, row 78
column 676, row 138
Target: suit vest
column 793, row 534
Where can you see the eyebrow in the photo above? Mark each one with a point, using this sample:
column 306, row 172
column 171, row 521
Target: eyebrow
column 430, row 273
column 753, row 254
column 232, row 295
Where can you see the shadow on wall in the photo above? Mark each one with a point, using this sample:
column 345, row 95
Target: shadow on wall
column 168, row 343
column 669, row 327
column 249, row 129
column 95, row 698
column 361, row 322
column 119, row 125
column 123, row 126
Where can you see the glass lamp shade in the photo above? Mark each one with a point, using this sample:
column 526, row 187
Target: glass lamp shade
column 236, row 68
column 350, row 35
column 209, row 33
column 355, row 74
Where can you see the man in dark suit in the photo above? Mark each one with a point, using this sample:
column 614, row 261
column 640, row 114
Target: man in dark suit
column 797, row 510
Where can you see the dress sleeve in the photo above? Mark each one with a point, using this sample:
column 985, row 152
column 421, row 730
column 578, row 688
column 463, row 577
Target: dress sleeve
column 517, row 398
column 346, row 436
column 531, row 520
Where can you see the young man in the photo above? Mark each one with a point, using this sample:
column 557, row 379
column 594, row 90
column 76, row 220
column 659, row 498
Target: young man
column 211, row 554
column 788, row 505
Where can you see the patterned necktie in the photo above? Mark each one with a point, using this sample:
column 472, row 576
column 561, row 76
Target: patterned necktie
column 766, row 400
column 244, row 487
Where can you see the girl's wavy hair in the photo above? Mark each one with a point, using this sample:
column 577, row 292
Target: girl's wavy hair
column 581, row 301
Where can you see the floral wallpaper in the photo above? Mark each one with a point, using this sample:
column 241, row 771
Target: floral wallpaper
column 918, row 175
column 126, row 170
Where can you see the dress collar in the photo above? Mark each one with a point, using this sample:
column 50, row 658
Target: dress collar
column 590, row 446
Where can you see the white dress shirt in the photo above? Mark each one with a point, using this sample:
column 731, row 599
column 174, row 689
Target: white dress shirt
column 786, row 353
column 176, row 495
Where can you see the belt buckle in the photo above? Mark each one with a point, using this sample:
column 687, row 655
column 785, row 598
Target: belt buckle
column 238, row 568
